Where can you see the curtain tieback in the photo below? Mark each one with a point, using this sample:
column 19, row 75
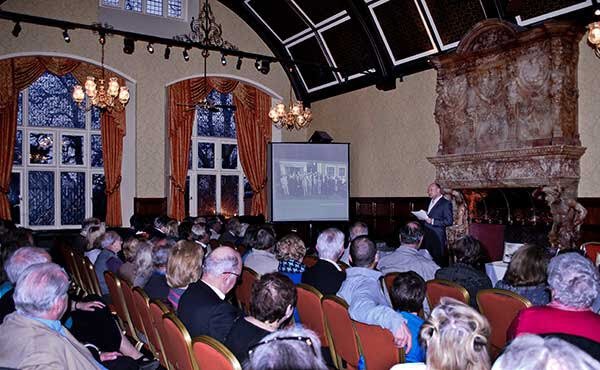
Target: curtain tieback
column 176, row 185
column 260, row 188
column 115, row 187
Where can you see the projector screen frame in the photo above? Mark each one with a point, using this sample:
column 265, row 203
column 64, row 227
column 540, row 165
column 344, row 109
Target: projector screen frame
column 269, row 183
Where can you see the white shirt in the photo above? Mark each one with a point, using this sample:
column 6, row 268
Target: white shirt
column 432, row 203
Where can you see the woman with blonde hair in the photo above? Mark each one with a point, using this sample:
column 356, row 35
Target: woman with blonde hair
column 455, row 337
column 183, row 268
column 127, row 269
column 290, row 251
column 144, row 266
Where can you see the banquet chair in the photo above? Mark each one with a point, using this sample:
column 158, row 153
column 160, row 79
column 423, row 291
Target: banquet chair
column 438, row 288
column 93, row 283
column 118, row 302
column 210, row 354
column 243, row 291
column 341, row 331
column 377, row 346
column 134, row 313
column 157, row 310
column 591, row 250
column 178, row 344
column 142, row 304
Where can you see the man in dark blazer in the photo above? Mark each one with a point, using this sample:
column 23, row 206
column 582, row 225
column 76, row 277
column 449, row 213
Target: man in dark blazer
column 440, row 216
column 202, row 308
column 326, row 275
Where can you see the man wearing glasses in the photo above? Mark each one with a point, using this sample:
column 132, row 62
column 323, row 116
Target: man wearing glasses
column 203, row 308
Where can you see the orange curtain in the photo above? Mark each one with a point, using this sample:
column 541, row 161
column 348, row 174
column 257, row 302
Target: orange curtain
column 17, row 74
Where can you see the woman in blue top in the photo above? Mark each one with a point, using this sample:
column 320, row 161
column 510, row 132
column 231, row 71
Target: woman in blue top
column 290, row 251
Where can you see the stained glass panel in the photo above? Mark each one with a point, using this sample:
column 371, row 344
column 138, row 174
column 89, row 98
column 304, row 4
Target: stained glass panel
column 133, row 5
column 96, row 159
column 18, row 155
column 206, row 155
column 95, row 117
column 41, row 198
column 207, row 190
column 14, row 197
column 51, row 104
column 72, row 150
column 72, row 198
column 229, row 156
column 41, row 148
column 175, row 8
column 216, row 124
column 20, row 109
column 110, row 2
column 154, row 7
column 98, row 197
column 229, row 195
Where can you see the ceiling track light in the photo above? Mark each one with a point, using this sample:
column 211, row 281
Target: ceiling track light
column 66, row 36
column 238, row 64
column 263, row 66
column 223, row 60
column 16, row 29
column 128, row 45
column 150, row 48
column 167, row 52
column 102, row 38
column 186, row 55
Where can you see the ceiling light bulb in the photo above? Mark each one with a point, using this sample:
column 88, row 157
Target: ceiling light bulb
column 66, row 36
column 223, row 60
column 186, row 55
column 150, row 48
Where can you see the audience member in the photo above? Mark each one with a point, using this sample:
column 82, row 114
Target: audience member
column 466, row 252
column 326, row 275
column 526, row 275
column 272, row 304
column 455, row 337
column 574, row 283
column 232, row 233
column 262, row 258
column 93, row 249
column 290, row 349
column 107, row 260
column 183, row 268
column 171, row 229
column 362, row 291
column 531, row 352
column 156, row 287
column 201, row 236
column 184, row 230
column 356, row 229
column 80, row 241
column 215, row 226
column 408, row 293
column 290, row 251
column 202, row 307
column 127, row 269
column 144, row 266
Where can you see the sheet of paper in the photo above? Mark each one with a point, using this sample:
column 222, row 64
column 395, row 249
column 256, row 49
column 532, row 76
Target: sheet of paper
column 420, row 214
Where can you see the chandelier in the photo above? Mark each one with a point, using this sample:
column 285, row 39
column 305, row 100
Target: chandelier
column 108, row 97
column 296, row 117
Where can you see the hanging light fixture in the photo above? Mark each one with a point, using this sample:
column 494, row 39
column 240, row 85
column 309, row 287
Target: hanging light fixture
column 594, row 37
column 110, row 97
column 296, row 117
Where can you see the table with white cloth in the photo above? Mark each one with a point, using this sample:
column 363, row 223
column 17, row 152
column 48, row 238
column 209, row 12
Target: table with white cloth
column 496, row 270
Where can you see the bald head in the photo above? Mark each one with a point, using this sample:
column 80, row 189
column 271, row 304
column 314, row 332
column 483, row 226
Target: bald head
column 363, row 252
column 222, row 267
column 22, row 259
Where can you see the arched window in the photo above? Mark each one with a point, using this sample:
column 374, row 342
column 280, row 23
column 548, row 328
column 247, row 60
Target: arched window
column 58, row 175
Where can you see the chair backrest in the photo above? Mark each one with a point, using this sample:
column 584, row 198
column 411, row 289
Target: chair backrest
column 310, row 261
column 243, row 291
column 142, row 304
column 210, row 354
column 178, row 344
column 93, row 278
column 343, row 265
column 500, row 307
column 81, row 268
column 157, row 311
column 438, row 288
column 134, row 313
column 377, row 346
column 341, row 331
column 591, row 249
column 115, row 289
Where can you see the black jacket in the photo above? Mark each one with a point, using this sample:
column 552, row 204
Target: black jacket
column 324, row 276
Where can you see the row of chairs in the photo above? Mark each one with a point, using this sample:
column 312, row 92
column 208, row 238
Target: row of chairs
column 82, row 272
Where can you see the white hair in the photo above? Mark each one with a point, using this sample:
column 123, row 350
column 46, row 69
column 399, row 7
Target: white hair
column 215, row 265
column 39, row 287
column 532, row 352
column 330, row 243
column 21, row 259
column 357, row 229
column 574, row 280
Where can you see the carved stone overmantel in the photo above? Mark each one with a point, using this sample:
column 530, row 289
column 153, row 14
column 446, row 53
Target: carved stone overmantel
column 507, row 108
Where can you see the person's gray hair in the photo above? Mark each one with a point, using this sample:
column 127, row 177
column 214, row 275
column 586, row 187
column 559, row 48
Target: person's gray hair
column 532, row 352
column 160, row 256
column 215, row 265
column 357, row 229
column 295, row 348
column 330, row 243
column 21, row 259
column 264, row 239
column 107, row 239
column 87, row 223
column 39, row 287
column 199, row 231
column 574, row 280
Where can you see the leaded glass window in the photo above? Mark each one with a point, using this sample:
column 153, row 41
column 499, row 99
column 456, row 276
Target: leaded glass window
column 175, row 8
column 58, row 162
column 169, row 8
column 215, row 182
column 133, row 5
column 154, row 7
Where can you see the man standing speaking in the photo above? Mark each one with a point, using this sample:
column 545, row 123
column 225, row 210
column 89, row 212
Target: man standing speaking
column 439, row 216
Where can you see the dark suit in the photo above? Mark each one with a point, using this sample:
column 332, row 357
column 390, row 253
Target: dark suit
column 435, row 235
column 324, row 276
column 204, row 313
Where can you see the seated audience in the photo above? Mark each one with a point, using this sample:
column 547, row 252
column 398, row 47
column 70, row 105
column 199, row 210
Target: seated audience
column 215, row 226
column 290, row 251
column 156, row 287
column 290, row 349
column 201, row 236
column 107, row 260
column 80, row 241
column 232, row 233
column 158, row 229
column 202, row 307
column 362, row 291
column 574, row 283
column 465, row 271
column 171, row 229
column 326, row 275
column 526, row 275
column 455, row 337
column 530, row 352
column 356, row 229
column 262, row 258
column 408, row 292
column 93, row 248
column 183, row 268
column 184, row 230
column 272, row 304
column 144, row 267
column 127, row 269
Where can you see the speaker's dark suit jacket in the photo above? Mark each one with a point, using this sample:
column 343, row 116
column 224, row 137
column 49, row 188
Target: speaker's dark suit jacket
column 324, row 276
column 441, row 213
column 204, row 313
